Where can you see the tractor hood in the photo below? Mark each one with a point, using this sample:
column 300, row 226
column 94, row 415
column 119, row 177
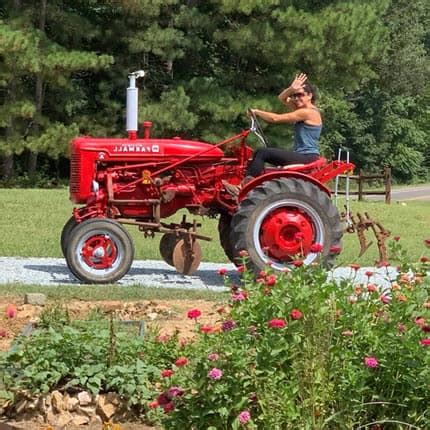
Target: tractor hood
column 120, row 149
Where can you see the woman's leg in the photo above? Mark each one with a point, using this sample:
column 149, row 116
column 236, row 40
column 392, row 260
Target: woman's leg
column 277, row 157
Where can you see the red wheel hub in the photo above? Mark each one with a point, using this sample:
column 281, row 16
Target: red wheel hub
column 99, row 252
column 286, row 232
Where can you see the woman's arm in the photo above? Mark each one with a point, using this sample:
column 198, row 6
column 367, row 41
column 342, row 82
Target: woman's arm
column 298, row 115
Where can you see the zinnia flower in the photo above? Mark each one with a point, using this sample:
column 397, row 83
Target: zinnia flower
column 335, row 249
column 316, row 248
column 244, row 417
column 270, row 280
column 420, row 321
column 11, row 311
column 354, row 266
column 174, row 392
column 372, row 288
column 347, row 333
column 298, row 237
column 153, row 405
column 396, row 238
column 295, row 314
column 228, row 325
column 368, row 273
column 167, row 373
column 384, row 299
column 424, row 259
column 238, row 297
column 425, row 342
column 181, row 361
column 297, row 263
column 277, row 323
column 427, row 243
column 371, row 362
column 168, row 407
column 241, row 269
column 222, row 271
column 243, row 253
column 193, row 313
column 213, row 356
column 215, row 373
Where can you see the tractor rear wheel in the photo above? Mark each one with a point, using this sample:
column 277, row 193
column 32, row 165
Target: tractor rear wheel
column 65, row 233
column 224, row 235
column 100, row 251
column 280, row 220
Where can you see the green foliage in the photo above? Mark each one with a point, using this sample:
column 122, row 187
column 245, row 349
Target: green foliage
column 299, row 351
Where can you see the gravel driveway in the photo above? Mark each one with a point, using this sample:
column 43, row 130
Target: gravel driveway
column 150, row 273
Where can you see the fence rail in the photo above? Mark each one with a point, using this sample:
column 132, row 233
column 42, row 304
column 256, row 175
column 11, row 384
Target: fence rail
column 361, row 178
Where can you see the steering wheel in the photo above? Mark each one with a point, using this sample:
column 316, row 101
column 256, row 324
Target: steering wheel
column 256, row 128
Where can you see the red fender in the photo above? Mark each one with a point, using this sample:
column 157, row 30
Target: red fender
column 279, row 174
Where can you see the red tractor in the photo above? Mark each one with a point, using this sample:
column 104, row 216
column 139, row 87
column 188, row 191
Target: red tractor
column 141, row 181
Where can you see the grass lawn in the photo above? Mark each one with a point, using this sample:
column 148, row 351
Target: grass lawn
column 32, row 219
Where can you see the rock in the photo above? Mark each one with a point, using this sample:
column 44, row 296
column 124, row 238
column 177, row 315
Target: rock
column 20, row 406
column 152, row 316
column 79, row 420
column 50, row 417
column 36, row 299
column 64, row 418
column 113, row 398
column 57, row 401
column 84, row 398
column 105, row 409
column 71, row 403
column 86, row 410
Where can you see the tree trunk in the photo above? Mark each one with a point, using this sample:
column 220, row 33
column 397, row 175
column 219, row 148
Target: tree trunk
column 6, row 167
column 32, row 156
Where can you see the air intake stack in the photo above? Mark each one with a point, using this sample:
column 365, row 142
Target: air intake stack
column 132, row 103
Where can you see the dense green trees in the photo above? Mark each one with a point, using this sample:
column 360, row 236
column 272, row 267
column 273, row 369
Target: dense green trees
column 63, row 68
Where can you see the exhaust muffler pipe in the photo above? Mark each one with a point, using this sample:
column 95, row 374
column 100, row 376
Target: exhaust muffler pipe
column 132, row 104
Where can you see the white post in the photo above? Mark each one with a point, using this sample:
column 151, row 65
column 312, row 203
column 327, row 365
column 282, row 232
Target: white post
column 132, row 103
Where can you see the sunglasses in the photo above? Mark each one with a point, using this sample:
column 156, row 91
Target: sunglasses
column 298, row 95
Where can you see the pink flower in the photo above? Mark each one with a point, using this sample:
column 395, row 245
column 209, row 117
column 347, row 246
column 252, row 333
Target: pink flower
column 384, row 299
column 193, row 314
column 371, row 362
column 335, row 249
column 424, row 259
column 371, row 288
column 215, row 373
column 396, row 238
column 3, row 332
column 354, row 266
column 347, row 333
column 241, row 269
column 277, row 323
column 383, row 264
column 401, row 327
column 420, row 321
column 239, row 297
column 425, row 342
column 11, row 311
column 316, row 247
column 244, row 417
column 270, row 280
column 228, row 325
column 168, row 407
column 425, row 328
column 222, row 271
column 298, row 237
column 243, row 253
column 427, row 243
column 167, row 373
column 153, row 405
column 295, row 314
column 213, row 356
column 369, row 273
column 297, row 263
column 206, row 329
column 426, row 305
column 181, row 361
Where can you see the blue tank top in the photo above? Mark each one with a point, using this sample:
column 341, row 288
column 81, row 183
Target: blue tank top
column 306, row 138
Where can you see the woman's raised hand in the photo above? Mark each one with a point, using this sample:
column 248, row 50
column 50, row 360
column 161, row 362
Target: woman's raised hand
column 298, row 82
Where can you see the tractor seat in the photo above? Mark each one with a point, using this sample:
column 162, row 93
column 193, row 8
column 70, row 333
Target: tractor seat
column 317, row 164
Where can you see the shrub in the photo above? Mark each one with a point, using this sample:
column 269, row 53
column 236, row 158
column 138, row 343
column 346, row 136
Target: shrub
column 298, row 350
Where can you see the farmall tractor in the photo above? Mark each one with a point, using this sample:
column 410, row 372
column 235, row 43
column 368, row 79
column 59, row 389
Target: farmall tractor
column 142, row 181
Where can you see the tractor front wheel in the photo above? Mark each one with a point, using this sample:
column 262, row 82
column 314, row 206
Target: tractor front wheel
column 100, row 251
column 65, row 233
column 280, row 220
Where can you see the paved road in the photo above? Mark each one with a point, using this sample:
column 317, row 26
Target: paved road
column 150, row 273
column 421, row 192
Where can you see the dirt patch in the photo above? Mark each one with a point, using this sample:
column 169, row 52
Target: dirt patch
column 167, row 315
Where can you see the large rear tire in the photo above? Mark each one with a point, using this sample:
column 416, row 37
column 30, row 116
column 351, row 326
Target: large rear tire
column 279, row 221
column 100, row 251
column 224, row 227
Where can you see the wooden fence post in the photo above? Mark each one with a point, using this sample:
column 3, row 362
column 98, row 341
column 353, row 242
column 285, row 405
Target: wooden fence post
column 387, row 177
column 360, row 185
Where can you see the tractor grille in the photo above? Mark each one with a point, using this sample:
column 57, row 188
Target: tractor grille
column 75, row 172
